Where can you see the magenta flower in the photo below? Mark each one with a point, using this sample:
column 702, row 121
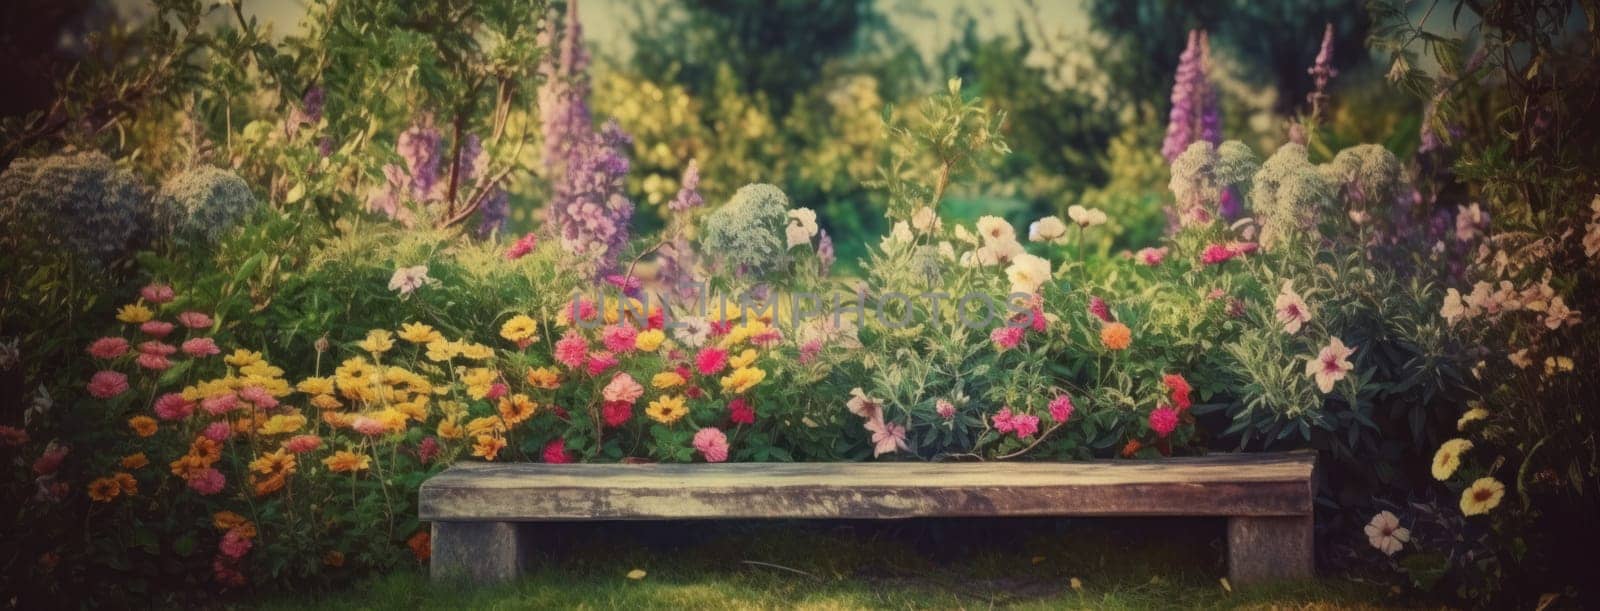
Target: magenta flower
column 1194, row 115
column 300, row 444
column 740, row 412
column 217, row 431
column 1007, row 337
column 619, row 338
column 945, row 409
column 207, row 482
column 555, row 452
column 220, row 404
column 172, row 406
column 1100, row 309
column 572, row 350
column 258, row 396
column 1152, row 256
column 157, row 348
column 1021, row 425
column 710, row 361
column 1061, row 408
column 522, row 247
column 154, row 362
column 234, row 544
column 599, row 362
column 1163, row 420
column 107, row 384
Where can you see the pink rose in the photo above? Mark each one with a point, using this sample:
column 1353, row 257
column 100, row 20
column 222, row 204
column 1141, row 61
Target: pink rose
column 107, row 384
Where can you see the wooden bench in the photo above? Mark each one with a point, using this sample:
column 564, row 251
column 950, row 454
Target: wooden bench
column 477, row 509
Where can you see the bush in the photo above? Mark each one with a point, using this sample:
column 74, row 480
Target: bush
column 91, row 209
column 200, row 205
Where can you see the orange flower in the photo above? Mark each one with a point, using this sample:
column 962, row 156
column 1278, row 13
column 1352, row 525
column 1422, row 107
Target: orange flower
column 421, row 545
column 226, row 520
column 126, row 482
column 333, row 558
column 135, row 461
column 517, row 408
column 104, row 489
column 143, row 426
column 345, row 461
column 1132, row 448
column 546, row 378
column 274, row 468
column 1116, row 336
column 488, row 446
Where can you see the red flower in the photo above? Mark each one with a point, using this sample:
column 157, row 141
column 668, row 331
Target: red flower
column 555, row 452
column 616, row 413
column 740, row 411
column 710, row 361
column 1180, row 390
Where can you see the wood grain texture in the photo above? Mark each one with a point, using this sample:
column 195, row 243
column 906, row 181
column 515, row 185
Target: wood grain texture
column 1262, row 549
column 1223, row 485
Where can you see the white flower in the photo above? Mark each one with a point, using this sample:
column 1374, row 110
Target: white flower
column 42, row 404
column 1291, row 308
column 1047, row 229
column 802, row 226
column 1027, row 273
column 1470, row 222
column 1520, row 359
column 1330, row 365
column 997, row 252
column 1086, row 217
column 408, row 279
column 995, row 229
column 925, row 220
column 692, row 332
column 1385, row 533
column 947, row 251
column 965, row 236
column 901, row 234
column 1454, row 309
column 1558, row 314
column 10, row 354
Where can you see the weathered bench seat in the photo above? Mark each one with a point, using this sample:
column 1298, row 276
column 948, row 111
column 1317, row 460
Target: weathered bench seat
column 476, row 508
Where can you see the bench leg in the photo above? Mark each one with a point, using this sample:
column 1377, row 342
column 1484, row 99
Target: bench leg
column 480, row 552
column 1268, row 548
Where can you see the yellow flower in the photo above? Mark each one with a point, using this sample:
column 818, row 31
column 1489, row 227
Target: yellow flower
column 517, row 408
column 667, row 410
column 392, row 419
column 227, row 520
column 283, row 423
column 418, row 333
column 476, row 352
column 450, row 429
column 742, row 379
column 649, row 340
column 126, row 482
column 440, row 350
column 478, row 381
column 415, row 409
column 1448, row 458
column 1482, row 496
column 135, row 313
column 135, row 461
column 326, row 402
column 378, row 341
column 104, row 489
column 488, row 446
column 544, row 377
column 262, row 370
column 666, row 379
column 316, row 386
column 743, row 360
column 521, row 329
column 486, row 425
column 345, row 461
column 1472, row 415
column 144, row 426
column 242, row 358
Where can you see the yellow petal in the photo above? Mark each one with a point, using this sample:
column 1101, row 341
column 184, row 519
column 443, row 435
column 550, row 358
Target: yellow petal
column 636, row 574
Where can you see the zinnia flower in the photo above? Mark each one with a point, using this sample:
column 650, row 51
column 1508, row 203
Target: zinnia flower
column 623, row 388
column 157, row 293
column 555, row 452
column 345, row 461
column 1151, row 256
column 234, row 544
column 300, row 444
column 107, row 348
column 107, row 384
column 712, row 444
column 572, row 350
column 1061, row 408
column 1007, row 337
column 1021, row 425
column 740, row 411
column 619, row 338
column 103, row 490
column 1116, row 336
column 1163, row 420
column 710, row 361
column 201, row 347
column 207, row 481
column 1472, row 415
column 1385, row 533
column 172, row 406
column 599, row 362
column 649, row 340
column 156, row 328
column 1180, row 389
column 1482, row 496
column 134, row 314
column 194, row 320
column 217, row 431
column 1330, row 365
column 616, row 413
column 1448, row 458
column 667, row 410
column 522, row 330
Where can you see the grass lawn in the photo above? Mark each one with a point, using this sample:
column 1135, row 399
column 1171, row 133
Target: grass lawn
column 1025, row 564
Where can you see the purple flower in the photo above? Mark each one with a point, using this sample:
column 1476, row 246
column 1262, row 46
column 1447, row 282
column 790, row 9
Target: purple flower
column 688, row 194
column 419, row 147
column 1195, row 113
column 825, row 254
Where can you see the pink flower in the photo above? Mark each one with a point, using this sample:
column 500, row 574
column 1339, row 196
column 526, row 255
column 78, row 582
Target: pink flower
column 157, row 348
column 1039, row 321
column 1061, row 408
column 154, row 362
column 300, row 444
column 555, row 452
column 1330, row 365
column 107, row 384
column 108, row 348
column 50, row 459
column 740, row 411
column 522, row 247
column 623, row 388
column 370, row 427
column 809, row 351
column 201, row 347
column 599, row 362
column 1163, row 420
column 712, row 444
column 862, row 405
column 618, row 338
column 194, row 320
column 428, row 449
column 496, row 390
column 157, row 293
column 945, row 409
column 710, row 361
column 572, row 350
column 172, row 406
column 12, row 436
column 258, row 396
column 217, row 431
column 887, row 437
column 207, row 482
column 1021, row 425
column 1152, row 256
column 234, row 544
column 1007, row 337
column 155, row 328
column 616, row 413
column 1215, row 254
column 1100, row 309
column 220, row 404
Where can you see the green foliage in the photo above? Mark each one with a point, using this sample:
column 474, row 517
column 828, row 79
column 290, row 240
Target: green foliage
column 200, row 205
column 747, row 233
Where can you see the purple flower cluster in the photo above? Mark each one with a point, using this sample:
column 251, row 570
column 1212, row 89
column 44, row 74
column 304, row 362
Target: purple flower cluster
column 1195, row 113
column 590, row 211
column 564, row 96
column 418, row 181
column 689, row 191
column 676, row 259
